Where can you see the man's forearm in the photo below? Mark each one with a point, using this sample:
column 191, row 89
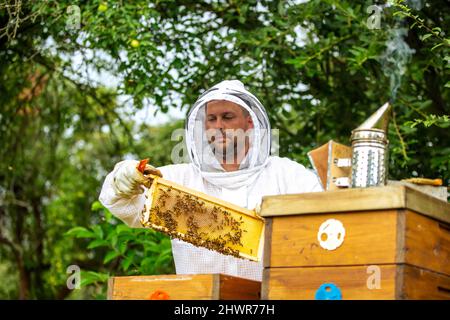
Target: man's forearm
column 126, row 209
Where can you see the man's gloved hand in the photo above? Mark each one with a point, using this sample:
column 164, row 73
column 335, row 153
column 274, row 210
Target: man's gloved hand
column 128, row 181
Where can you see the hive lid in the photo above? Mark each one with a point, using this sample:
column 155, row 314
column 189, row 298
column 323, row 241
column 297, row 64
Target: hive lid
column 356, row 199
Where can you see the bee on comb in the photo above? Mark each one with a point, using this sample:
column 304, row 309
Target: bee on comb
column 203, row 220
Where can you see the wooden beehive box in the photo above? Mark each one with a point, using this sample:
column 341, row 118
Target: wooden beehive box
column 396, row 245
column 183, row 287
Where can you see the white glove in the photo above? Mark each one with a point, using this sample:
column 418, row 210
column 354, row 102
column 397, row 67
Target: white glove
column 128, row 181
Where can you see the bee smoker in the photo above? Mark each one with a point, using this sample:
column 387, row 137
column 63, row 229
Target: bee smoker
column 369, row 163
column 362, row 165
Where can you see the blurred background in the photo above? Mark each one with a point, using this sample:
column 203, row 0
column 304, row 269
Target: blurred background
column 85, row 84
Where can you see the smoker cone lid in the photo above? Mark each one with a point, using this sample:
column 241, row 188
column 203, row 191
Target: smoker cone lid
column 378, row 120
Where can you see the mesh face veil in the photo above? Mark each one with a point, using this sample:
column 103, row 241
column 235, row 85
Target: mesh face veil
column 259, row 137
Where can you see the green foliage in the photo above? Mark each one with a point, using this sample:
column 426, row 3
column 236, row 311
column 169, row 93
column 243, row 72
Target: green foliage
column 431, row 120
column 125, row 251
column 435, row 33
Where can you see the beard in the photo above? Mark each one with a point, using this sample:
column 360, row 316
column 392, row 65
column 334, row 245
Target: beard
column 227, row 147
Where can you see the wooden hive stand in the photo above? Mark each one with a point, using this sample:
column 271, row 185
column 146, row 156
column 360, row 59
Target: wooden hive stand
column 396, row 245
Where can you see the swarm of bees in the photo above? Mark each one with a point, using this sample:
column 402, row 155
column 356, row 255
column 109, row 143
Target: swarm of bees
column 191, row 219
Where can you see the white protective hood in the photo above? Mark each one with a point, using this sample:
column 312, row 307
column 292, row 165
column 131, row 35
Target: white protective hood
column 200, row 152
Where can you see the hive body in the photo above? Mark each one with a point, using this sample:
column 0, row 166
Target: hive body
column 396, row 245
column 183, row 287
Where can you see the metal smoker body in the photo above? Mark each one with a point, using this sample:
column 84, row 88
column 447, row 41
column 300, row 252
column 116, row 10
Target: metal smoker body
column 370, row 150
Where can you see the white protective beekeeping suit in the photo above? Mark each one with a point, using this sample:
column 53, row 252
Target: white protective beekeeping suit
column 259, row 174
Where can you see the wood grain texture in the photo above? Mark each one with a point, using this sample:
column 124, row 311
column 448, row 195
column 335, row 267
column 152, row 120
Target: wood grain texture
column 396, row 282
column 370, row 238
column 319, row 160
column 439, row 192
column 184, row 287
column 178, row 287
column 400, row 236
column 427, row 243
column 268, row 233
column 423, row 284
column 322, row 159
column 427, row 205
column 302, row 283
column 109, row 293
column 343, row 200
column 376, row 237
column 357, row 199
column 232, row 288
column 338, row 151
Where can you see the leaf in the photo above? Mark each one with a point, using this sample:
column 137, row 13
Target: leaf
column 401, row 14
column 89, row 277
column 139, row 88
column 129, row 237
column 151, row 246
column 80, row 232
column 123, row 247
column 122, row 228
column 147, row 265
column 127, row 261
column 98, row 243
column 96, row 206
column 425, row 37
column 437, row 46
column 437, row 30
column 110, row 256
column 113, row 239
column 98, row 231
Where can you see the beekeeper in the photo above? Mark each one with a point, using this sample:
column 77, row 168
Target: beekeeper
column 234, row 169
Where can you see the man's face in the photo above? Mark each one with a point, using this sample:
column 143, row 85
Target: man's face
column 224, row 120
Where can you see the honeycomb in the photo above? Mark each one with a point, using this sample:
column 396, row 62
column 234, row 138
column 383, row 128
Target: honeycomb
column 202, row 220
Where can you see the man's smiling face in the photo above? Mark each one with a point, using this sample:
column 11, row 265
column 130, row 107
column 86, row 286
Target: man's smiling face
column 225, row 120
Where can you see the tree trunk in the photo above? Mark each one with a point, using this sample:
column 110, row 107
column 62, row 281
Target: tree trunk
column 24, row 288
